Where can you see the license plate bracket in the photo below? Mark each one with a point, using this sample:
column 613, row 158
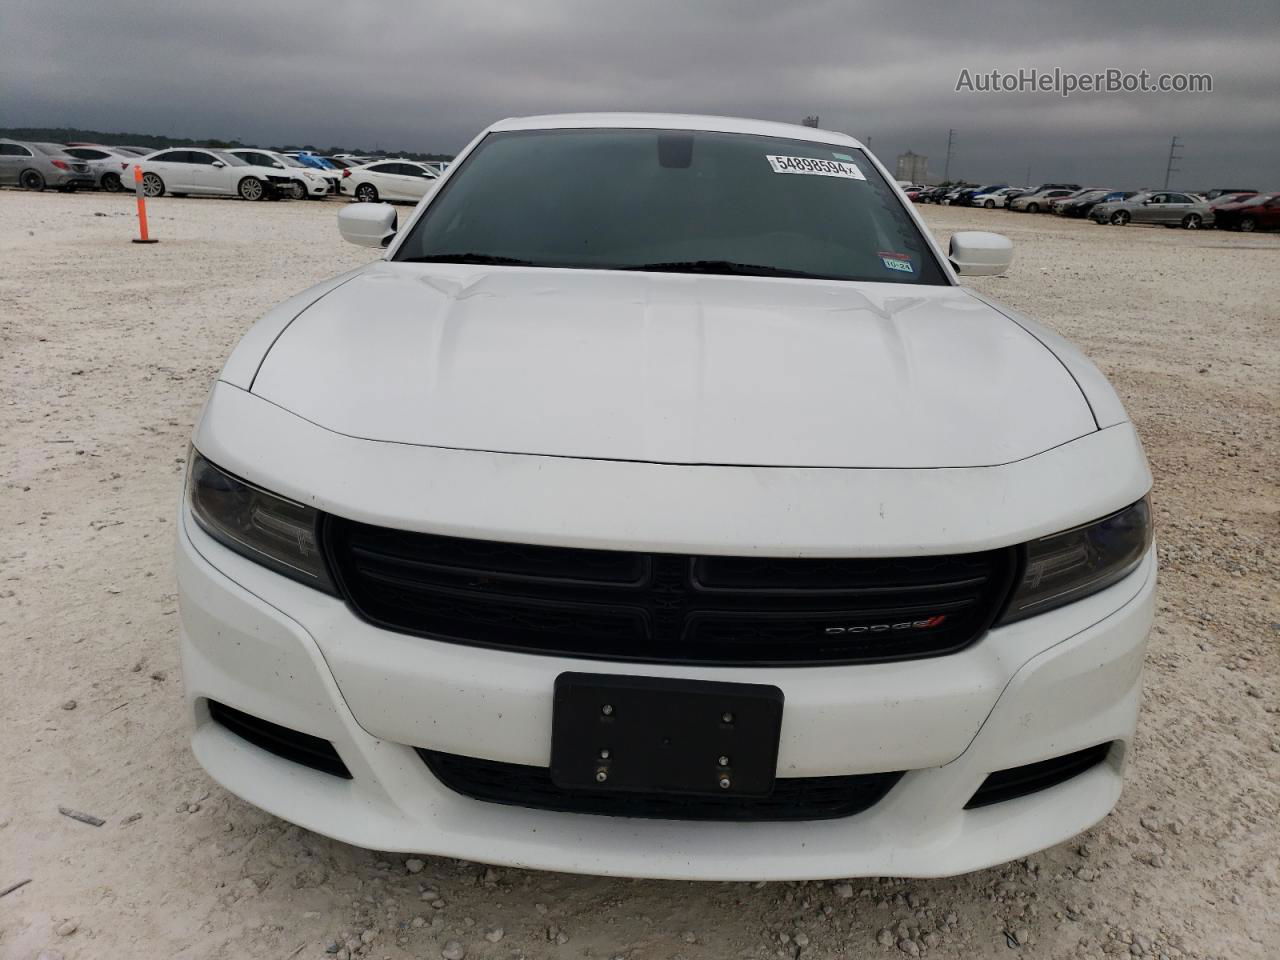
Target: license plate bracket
column 616, row 733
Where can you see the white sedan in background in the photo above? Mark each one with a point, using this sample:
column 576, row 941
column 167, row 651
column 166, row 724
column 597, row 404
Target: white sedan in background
column 996, row 198
column 304, row 181
column 402, row 180
column 205, row 172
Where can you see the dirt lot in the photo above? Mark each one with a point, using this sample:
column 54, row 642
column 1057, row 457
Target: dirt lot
column 106, row 351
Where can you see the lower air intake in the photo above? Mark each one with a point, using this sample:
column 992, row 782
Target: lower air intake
column 289, row 744
column 1020, row 781
column 793, row 798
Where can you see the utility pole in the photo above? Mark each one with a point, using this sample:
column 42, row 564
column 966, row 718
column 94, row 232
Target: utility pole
column 946, row 167
column 1169, row 167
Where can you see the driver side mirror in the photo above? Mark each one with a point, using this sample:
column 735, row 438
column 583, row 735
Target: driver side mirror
column 975, row 253
column 218, row 163
column 367, row 224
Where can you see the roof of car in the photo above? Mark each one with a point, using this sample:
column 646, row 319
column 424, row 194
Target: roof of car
column 675, row 121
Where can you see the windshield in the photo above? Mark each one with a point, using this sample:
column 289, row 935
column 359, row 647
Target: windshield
column 673, row 201
column 288, row 161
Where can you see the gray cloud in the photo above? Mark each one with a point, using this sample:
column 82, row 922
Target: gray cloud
column 428, row 76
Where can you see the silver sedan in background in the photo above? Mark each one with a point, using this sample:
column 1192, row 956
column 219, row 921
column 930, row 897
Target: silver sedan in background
column 1171, row 208
column 34, row 166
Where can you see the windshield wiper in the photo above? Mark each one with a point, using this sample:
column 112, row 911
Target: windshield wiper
column 469, row 258
column 728, row 267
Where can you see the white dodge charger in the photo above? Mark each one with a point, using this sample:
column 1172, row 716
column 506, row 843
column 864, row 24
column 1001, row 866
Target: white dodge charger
column 660, row 504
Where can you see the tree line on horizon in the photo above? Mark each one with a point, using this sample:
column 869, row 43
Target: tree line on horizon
column 71, row 134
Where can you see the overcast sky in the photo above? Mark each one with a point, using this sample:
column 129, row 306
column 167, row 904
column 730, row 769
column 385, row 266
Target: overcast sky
column 426, row 75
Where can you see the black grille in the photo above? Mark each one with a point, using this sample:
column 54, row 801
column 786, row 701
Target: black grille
column 292, row 745
column 617, row 605
column 793, row 798
column 1020, row 781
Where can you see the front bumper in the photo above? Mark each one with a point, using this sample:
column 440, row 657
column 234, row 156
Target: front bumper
column 1041, row 688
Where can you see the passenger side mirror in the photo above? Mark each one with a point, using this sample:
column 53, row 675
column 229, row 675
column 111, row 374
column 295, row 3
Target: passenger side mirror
column 975, row 253
column 367, row 224
column 218, row 163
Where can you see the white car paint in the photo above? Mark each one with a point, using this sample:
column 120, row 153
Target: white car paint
column 404, row 181
column 711, row 415
column 211, row 176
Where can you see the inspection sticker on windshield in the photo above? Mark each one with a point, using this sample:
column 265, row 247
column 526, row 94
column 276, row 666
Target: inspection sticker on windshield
column 814, row 167
column 897, row 261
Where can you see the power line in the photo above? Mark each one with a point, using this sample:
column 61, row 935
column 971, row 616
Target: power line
column 1169, row 167
column 946, row 167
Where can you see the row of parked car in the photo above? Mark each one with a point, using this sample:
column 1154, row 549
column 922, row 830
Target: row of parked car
column 1224, row 208
column 246, row 172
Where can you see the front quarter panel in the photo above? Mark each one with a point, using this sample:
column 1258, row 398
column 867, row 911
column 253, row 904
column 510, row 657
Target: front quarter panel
column 1101, row 396
column 242, row 366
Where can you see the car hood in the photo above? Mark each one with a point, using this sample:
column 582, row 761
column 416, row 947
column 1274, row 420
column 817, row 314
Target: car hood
column 673, row 369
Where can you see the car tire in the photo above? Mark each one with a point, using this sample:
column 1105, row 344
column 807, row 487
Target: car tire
column 67, row 188
column 251, row 188
column 1248, row 224
column 32, row 180
column 152, row 185
column 1033, row 208
column 1120, row 218
column 1192, row 221
column 297, row 190
column 990, row 204
column 366, row 193
column 111, row 183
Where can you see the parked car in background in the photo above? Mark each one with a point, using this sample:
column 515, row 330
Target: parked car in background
column 952, row 195
column 1260, row 211
column 994, row 198
column 1223, row 191
column 1081, row 205
column 34, row 166
column 1224, row 198
column 1075, row 194
column 1040, row 189
column 405, row 181
column 309, row 159
column 1167, row 207
column 966, row 197
column 913, row 193
column 206, row 172
column 304, row 181
column 1038, row 202
column 104, row 162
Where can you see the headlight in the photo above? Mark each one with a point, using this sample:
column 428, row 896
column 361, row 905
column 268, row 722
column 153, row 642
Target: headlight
column 267, row 529
column 1071, row 565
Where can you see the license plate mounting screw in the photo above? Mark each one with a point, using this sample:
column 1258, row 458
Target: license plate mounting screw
column 607, row 710
column 602, row 775
column 725, row 783
column 727, row 717
column 723, row 761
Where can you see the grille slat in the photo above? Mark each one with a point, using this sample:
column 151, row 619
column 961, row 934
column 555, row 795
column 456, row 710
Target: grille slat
column 671, row 608
column 793, row 798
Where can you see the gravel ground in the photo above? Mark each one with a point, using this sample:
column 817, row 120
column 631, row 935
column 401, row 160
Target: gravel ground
column 106, row 351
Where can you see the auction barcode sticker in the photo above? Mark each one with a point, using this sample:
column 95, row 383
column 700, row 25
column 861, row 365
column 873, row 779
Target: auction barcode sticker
column 812, row 166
